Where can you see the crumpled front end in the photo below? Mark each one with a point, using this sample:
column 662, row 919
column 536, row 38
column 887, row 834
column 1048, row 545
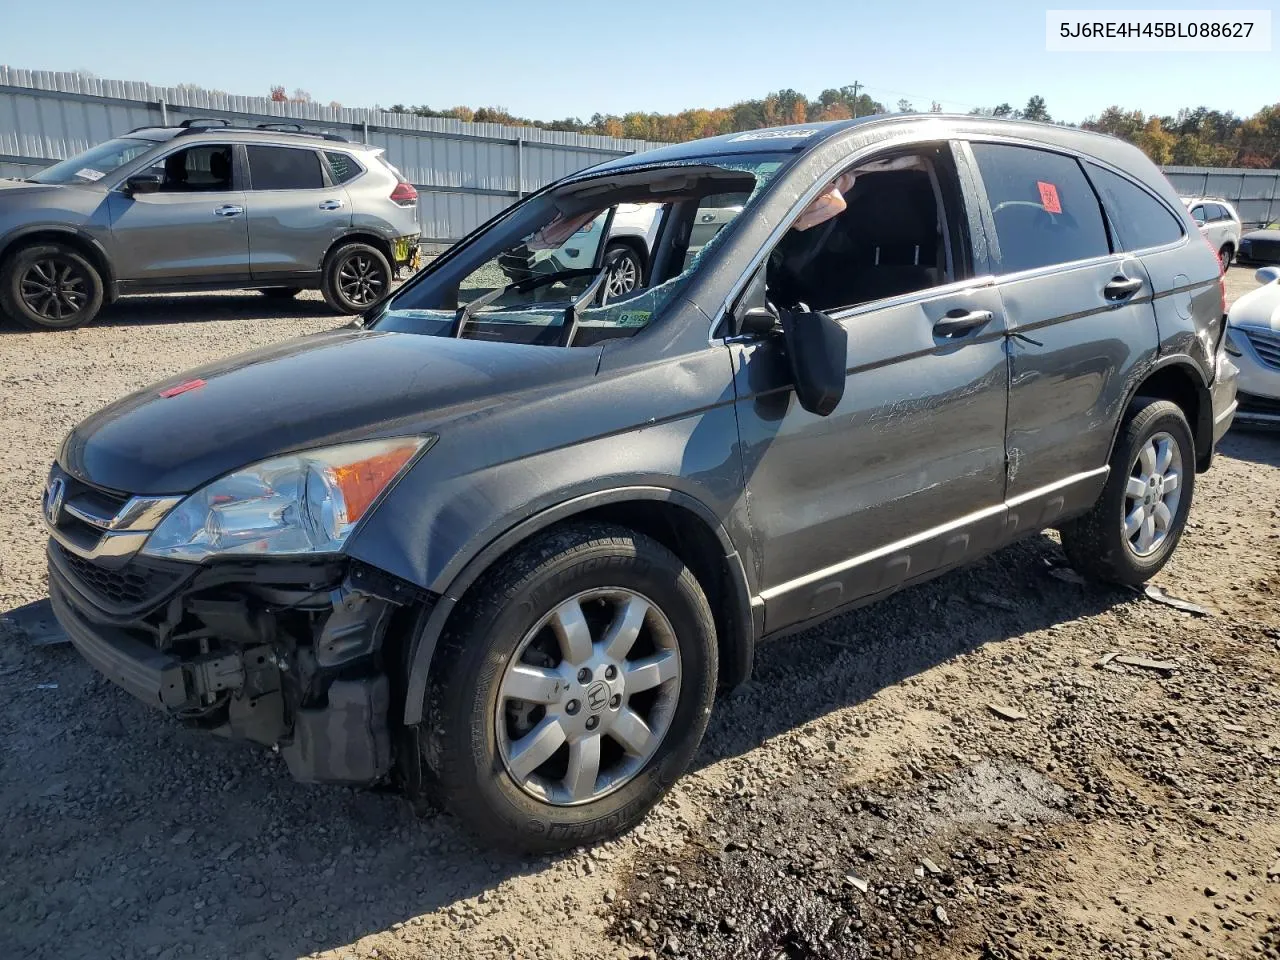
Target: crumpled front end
column 287, row 653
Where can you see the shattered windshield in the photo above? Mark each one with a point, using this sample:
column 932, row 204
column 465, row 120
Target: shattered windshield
column 591, row 260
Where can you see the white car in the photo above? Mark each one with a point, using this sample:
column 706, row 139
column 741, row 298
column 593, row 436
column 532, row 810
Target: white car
column 1219, row 223
column 632, row 234
column 1253, row 342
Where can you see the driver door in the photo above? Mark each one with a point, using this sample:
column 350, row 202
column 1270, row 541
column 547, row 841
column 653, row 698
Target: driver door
column 192, row 230
column 907, row 475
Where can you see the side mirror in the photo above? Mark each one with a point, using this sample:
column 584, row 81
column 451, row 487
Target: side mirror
column 817, row 349
column 1267, row 275
column 758, row 322
column 143, row 183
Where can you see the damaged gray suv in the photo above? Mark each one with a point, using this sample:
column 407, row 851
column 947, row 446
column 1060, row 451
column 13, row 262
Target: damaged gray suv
column 504, row 539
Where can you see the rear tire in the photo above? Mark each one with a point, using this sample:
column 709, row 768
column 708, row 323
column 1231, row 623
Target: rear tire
column 354, row 277
column 50, row 286
column 513, row 624
column 1134, row 527
column 1225, row 255
column 281, row 293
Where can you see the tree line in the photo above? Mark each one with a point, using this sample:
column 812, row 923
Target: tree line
column 1191, row 137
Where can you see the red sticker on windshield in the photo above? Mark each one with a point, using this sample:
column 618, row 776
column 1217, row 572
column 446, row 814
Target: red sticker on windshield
column 1049, row 197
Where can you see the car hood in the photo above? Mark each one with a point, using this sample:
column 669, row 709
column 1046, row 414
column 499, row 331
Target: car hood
column 1258, row 308
column 333, row 387
column 1269, row 234
column 23, row 188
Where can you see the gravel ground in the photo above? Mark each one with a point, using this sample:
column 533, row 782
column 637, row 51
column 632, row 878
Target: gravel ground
column 958, row 771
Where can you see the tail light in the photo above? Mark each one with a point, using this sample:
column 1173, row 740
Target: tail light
column 1222, row 274
column 404, row 194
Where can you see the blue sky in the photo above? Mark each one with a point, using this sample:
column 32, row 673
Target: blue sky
column 575, row 58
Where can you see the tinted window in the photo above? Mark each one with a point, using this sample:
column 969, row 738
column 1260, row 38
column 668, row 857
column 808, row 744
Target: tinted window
column 1217, row 212
column 282, row 168
column 344, row 167
column 1139, row 218
column 1198, row 213
column 1044, row 209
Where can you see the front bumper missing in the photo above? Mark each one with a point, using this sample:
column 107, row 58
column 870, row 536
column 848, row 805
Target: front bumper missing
column 312, row 682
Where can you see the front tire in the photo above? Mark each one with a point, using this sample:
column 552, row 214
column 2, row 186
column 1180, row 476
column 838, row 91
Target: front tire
column 50, row 286
column 355, row 276
column 571, row 689
column 626, row 271
column 1134, row 527
column 1225, row 255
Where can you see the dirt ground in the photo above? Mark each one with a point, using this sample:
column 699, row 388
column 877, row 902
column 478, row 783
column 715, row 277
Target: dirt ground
column 959, row 771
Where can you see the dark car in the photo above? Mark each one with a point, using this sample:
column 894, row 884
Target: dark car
column 1260, row 246
column 506, row 538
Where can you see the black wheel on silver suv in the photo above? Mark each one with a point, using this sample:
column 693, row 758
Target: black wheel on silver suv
column 354, row 276
column 570, row 690
column 1133, row 528
column 50, row 286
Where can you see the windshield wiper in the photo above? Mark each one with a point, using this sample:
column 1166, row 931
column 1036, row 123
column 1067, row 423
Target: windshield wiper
column 571, row 311
column 468, row 310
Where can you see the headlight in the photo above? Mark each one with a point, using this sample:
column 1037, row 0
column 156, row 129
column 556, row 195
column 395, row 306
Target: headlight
column 1229, row 344
column 303, row 503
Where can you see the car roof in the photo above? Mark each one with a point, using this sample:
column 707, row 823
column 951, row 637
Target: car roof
column 804, row 137
column 245, row 134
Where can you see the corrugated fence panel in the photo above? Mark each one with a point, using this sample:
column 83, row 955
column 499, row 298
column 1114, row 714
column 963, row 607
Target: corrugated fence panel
column 1254, row 193
column 464, row 172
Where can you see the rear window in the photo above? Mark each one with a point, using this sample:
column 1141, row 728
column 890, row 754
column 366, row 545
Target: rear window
column 1044, row 209
column 284, row 168
column 343, row 166
column 1139, row 218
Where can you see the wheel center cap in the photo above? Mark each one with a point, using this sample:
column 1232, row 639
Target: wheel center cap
column 597, row 696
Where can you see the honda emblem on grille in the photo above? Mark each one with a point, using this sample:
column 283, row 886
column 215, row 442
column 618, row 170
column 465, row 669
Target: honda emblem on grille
column 53, row 495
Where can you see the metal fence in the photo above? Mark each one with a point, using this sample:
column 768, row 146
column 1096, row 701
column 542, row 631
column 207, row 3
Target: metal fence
column 1254, row 193
column 464, row 172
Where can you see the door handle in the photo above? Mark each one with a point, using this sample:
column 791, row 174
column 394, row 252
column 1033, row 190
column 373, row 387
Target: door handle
column 957, row 323
column 230, row 210
column 1121, row 288
column 330, row 204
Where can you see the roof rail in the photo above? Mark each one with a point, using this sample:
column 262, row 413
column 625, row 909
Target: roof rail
column 265, row 128
column 281, row 125
column 204, row 122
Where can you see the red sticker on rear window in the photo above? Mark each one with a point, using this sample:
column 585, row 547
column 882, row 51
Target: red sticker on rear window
column 195, row 384
column 1049, row 197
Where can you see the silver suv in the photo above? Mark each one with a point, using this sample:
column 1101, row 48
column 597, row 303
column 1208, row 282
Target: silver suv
column 204, row 206
column 1219, row 224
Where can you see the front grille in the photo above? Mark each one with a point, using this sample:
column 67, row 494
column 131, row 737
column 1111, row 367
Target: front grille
column 1265, row 344
column 132, row 586
column 1264, row 250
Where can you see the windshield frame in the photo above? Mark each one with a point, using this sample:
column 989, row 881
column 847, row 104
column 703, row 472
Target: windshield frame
column 765, row 167
column 84, row 159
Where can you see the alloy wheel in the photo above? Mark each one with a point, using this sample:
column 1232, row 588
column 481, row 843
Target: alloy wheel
column 54, row 289
column 624, row 276
column 1152, row 493
column 588, row 696
column 361, row 280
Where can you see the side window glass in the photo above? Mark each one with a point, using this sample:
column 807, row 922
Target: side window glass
column 1044, row 209
column 1217, row 212
column 1139, row 218
column 201, row 169
column 877, row 232
column 343, row 166
column 284, row 168
column 1197, row 214
column 714, row 213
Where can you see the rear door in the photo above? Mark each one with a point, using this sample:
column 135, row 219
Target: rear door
column 295, row 211
column 1080, row 323
column 193, row 229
